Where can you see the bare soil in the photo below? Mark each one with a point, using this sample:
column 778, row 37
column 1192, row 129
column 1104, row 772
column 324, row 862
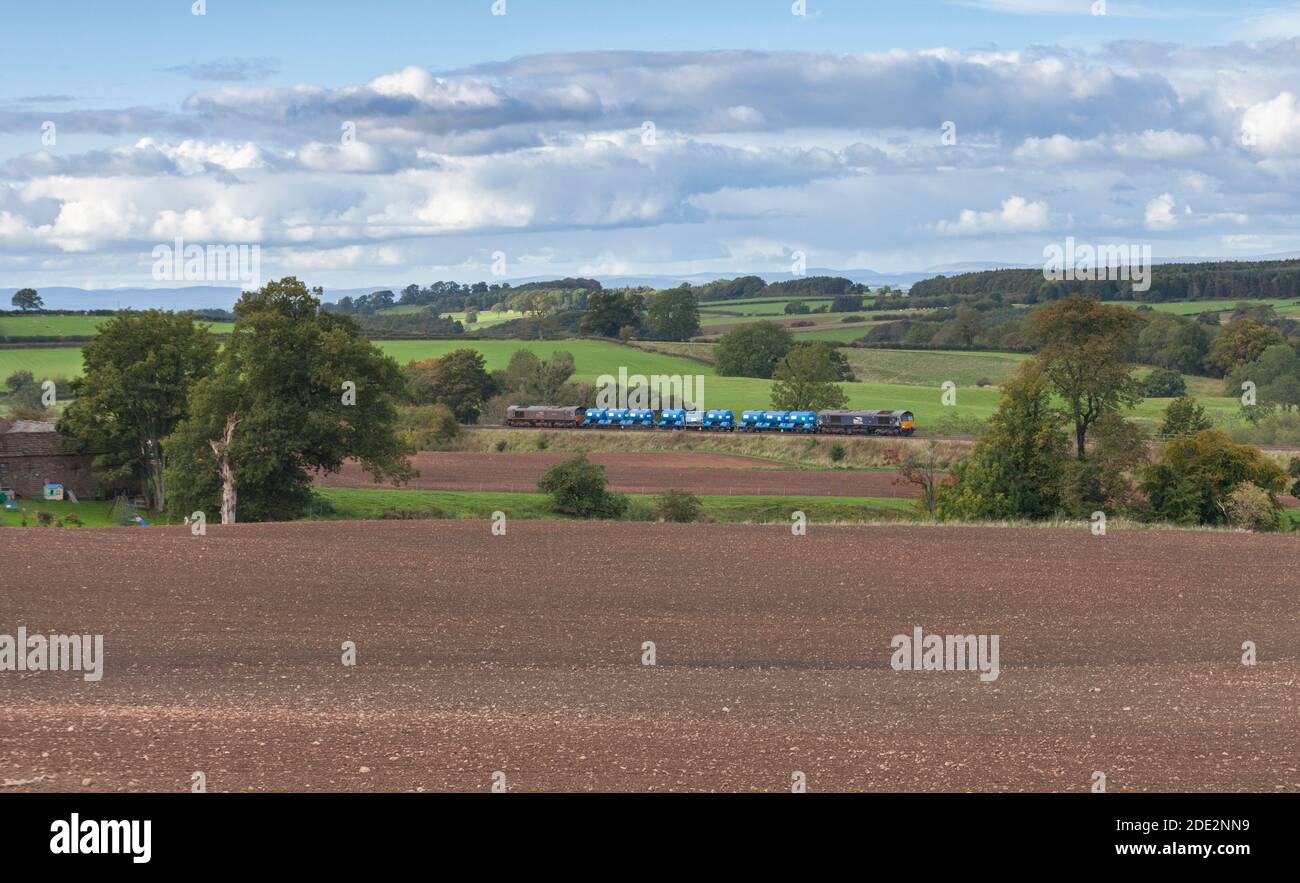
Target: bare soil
column 522, row 654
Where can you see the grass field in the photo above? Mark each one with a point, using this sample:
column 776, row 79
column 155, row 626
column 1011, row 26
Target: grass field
column 45, row 362
column 67, row 326
column 1285, row 306
column 907, row 380
column 836, row 333
column 366, row 503
column 931, row 367
column 92, row 513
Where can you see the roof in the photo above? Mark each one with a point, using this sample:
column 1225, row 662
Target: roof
column 32, row 426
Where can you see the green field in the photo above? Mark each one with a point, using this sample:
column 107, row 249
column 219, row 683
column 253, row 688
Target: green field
column 92, row 514
column 44, row 363
column 1285, row 306
column 909, row 380
column 931, row 367
column 372, row 503
column 834, row 333
column 67, row 326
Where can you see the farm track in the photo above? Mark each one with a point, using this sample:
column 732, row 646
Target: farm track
column 648, row 473
column 522, row 653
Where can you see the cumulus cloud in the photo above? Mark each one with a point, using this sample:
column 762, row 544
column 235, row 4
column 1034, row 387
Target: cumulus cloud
column 754, row 154
column 1160, row 212
column 1017, row 215
column 1273, row 127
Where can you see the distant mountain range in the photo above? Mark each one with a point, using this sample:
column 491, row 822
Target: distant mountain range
column 211, row 297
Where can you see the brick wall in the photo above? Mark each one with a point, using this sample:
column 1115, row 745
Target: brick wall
column 34, row 457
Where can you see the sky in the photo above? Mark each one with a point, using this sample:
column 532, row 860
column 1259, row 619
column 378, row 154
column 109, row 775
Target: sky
column 387, row 142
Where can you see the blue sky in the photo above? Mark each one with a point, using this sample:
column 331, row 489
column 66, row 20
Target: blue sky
column 1170, row 123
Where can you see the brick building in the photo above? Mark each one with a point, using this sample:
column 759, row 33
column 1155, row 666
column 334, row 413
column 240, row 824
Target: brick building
column 32, row 455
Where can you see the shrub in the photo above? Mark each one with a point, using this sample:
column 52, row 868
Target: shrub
column 854, row 318
column 542, row 443
column 1163, row 383
column 1251, row 507
column 578, row 487
column 837, row 452
column 983, row 382
column 1197, row 473
column 1277, row 428
column 678, row 506
column 44, row 519
column 428, row 427
column 394, row 513
column 1184, row 417
column 73, row 519
column 500, row 445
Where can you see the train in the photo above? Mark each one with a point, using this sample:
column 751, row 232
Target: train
column 878, row 422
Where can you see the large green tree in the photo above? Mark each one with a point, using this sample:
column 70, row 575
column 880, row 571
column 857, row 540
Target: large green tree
column 459, row 380
column 674, row 314
column 1015, row 469
column 134, row 391
column 1241, row 341
column 806, row 380
column 752, row 350
column 1083, row 344
column 608, row 312
column 295, row 390
column 28, row 299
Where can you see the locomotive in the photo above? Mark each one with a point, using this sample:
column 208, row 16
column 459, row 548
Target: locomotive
column 879, row 422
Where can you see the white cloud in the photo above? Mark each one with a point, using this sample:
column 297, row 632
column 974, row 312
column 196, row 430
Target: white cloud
column 1273, row 127
column 1017, row 215
column 1160, row 212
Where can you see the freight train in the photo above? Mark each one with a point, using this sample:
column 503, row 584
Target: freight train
column 834, row 422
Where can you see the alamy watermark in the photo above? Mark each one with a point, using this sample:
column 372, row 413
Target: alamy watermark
column 24, row 652
column 216, row 262
column 1081, row 262
column 922, row 652
column 656, row 392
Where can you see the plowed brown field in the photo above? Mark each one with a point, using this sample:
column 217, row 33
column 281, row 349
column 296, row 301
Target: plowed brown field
column 522, row 654
column 650, row 473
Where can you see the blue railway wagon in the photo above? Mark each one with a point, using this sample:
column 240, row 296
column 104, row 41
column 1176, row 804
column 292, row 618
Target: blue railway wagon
column 674, row 418
column 778, row 421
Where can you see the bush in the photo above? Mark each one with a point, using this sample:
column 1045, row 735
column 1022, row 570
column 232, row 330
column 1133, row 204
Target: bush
column 854, row 318
column 983, row 382
column 394, row 513
column 577, row 487
column 1163, row 383
column 1277, row 428
column 1197, row 473
column 677, row 506
column 428, row 427
column 500, row 446
column 1184, row 417
column 73, row 519
column 1251, row 507
column 837, row 452
column 542, row 443
column 44, row 519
